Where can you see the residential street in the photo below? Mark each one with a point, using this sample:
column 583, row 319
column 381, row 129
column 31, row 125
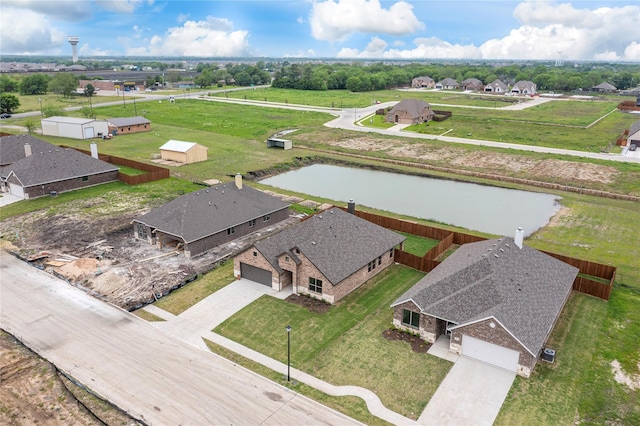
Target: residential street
column 156, row 378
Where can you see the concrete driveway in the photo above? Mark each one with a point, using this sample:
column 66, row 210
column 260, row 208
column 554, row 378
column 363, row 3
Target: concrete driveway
column 471, row 394
column 8, row 198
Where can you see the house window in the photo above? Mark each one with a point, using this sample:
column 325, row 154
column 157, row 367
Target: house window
column 379, row 260
column 286, row 258
column 372, row 265
column 85, row 178
column 265, row 218
column 297, row 251
column 315, row 285
column 391, row 253
column 231, row 230
column 255, row 253
column 142, row 231
column 252, row 223
column 410, row 318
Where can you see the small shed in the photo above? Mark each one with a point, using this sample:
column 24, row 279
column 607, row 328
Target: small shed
column 74, row 127
column 279, row 143
column 183, row 152
column 124, row 125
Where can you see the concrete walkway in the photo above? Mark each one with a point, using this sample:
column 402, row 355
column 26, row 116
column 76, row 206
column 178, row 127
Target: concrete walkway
column 472, row 394
column 196, row 323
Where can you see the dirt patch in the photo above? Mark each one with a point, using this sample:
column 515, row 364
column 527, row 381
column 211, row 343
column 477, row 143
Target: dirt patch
column 417, row 344
column 33, row 392
column 311, row 304
column 569, row 171
column 632, row 381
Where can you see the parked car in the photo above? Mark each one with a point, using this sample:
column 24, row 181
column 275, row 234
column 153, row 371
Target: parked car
column 632, row 147
column 5, row 115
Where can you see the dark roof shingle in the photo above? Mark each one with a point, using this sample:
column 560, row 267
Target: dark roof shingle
column 12, row 147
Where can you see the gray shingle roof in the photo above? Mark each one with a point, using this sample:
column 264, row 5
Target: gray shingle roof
column 55, row 165
column 497, row 83
column 605, row 86
column 208, row 211
column 635, row 128
column 448, row 82
column 524, row 289
column 412, row 106
column 524, row 84
column 336, row 242
column 12, row 147
column 128, row 121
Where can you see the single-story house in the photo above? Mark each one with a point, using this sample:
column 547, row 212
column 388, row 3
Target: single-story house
column 410, row 111
column 54, row 171
column 423, row 82
column 496, row 300
column 496, row 86
column 183, row 152
column 17, row 147
column 447, row 84
column 204, row 219
column 326, row 256
column 124, row 125
column 74, row 127
column 524, row 87
column 472, row 84
column 604, row 87
column 634, row 134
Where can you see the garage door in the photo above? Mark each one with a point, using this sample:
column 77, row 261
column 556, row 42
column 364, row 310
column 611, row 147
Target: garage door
column 256, row 274
column 16, row 190
column 490, row 353
column 89, row 133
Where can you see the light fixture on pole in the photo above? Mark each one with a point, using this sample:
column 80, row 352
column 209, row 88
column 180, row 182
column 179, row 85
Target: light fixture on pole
column 288, row 353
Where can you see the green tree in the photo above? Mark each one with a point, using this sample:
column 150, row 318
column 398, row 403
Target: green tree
column 8, row 84
column 64, row 84
column 89, row 90
column 150, row 81
column 35, row 84
column 8, row 103
column 51, row 111
column 30, row 125
column 87, row 112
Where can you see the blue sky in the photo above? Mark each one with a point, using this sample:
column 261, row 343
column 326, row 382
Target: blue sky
column 366, row 29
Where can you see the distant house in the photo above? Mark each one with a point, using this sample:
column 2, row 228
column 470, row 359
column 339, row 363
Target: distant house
column 124, row 125
column 447, row 84
column 410, row 111
column 14, row 147
column 424, row 82
column 496, row 86
column 495, row 300
column 204, row 219
column 604, row 87
column 54, row 171
column 327, row 256
column 634, row 134
column 524, row 87
column 472, row 84
column 74, row 127
column 183, row 152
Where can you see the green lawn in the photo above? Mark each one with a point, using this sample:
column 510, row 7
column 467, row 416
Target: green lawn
column 417, row 245
column 344, row 346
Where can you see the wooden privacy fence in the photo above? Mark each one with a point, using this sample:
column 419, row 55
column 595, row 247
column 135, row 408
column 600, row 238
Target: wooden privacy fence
column 426, row 263
column 153, row 172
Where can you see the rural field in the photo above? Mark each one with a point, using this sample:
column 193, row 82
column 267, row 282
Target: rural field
column 596, row 376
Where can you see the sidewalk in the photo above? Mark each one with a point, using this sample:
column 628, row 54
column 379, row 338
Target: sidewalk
column 196, row 323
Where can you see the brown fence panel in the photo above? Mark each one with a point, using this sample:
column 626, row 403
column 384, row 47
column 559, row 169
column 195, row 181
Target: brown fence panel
column 460, row 238
column 440, row 248
column 586, row 267
column 593, row 288
column 413, row 261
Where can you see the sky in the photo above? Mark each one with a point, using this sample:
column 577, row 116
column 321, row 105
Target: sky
column 358, row 29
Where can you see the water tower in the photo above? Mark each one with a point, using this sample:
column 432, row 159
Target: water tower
column 73, row 41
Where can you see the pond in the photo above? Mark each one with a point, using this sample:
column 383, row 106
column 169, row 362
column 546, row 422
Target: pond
column 489, row 209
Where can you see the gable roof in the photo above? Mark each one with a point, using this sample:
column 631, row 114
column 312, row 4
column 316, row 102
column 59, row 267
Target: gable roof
column 424, row 78
column 473, row 82
column 70, row 120
column 128, row 121
column 336, row 242
column 178, row 146
column 448, row 82
column 524, row 289
column 12, row 147
column 605, row 86
column 497, row 83
column 414, row 107
column 55, row 165
column 524, row 84
column 635, row 128
column 208, row 211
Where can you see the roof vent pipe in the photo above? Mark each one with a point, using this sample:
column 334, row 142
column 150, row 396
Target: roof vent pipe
column 238, row 180
column 27, row 150
column 351, row 207
column 519, row 238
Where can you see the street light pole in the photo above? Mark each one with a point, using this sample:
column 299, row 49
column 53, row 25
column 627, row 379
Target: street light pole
column 288, row 353
column 40, row 100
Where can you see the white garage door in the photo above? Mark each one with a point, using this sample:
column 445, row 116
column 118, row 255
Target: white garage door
column 89, row 133
column 16, row 190
column 490, row 353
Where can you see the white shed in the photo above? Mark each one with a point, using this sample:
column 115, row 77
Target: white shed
column 74, row 127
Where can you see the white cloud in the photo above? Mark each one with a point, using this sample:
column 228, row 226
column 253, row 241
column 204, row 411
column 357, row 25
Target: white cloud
column 28, row 32
column 182, row 17
column 309, row 53
column 212, row 37
column 121, row 6
column 64, row 10
column 86, row 50
column 632, row 52
column 333, row 20
column 424, row 48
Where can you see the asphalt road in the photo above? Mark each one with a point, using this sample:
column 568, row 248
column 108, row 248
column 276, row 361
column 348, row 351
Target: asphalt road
column 152, row 376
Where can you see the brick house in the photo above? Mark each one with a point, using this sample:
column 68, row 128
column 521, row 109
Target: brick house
column 204, row 219
column 472, row 84
column 495, row 300
column 326, row 256
column 447, row 84
column 524, row 87
column 55, row 170
column 410, row 111
column 496, row 86
column 423, row 82
column 125, row 125
column 12, row 147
